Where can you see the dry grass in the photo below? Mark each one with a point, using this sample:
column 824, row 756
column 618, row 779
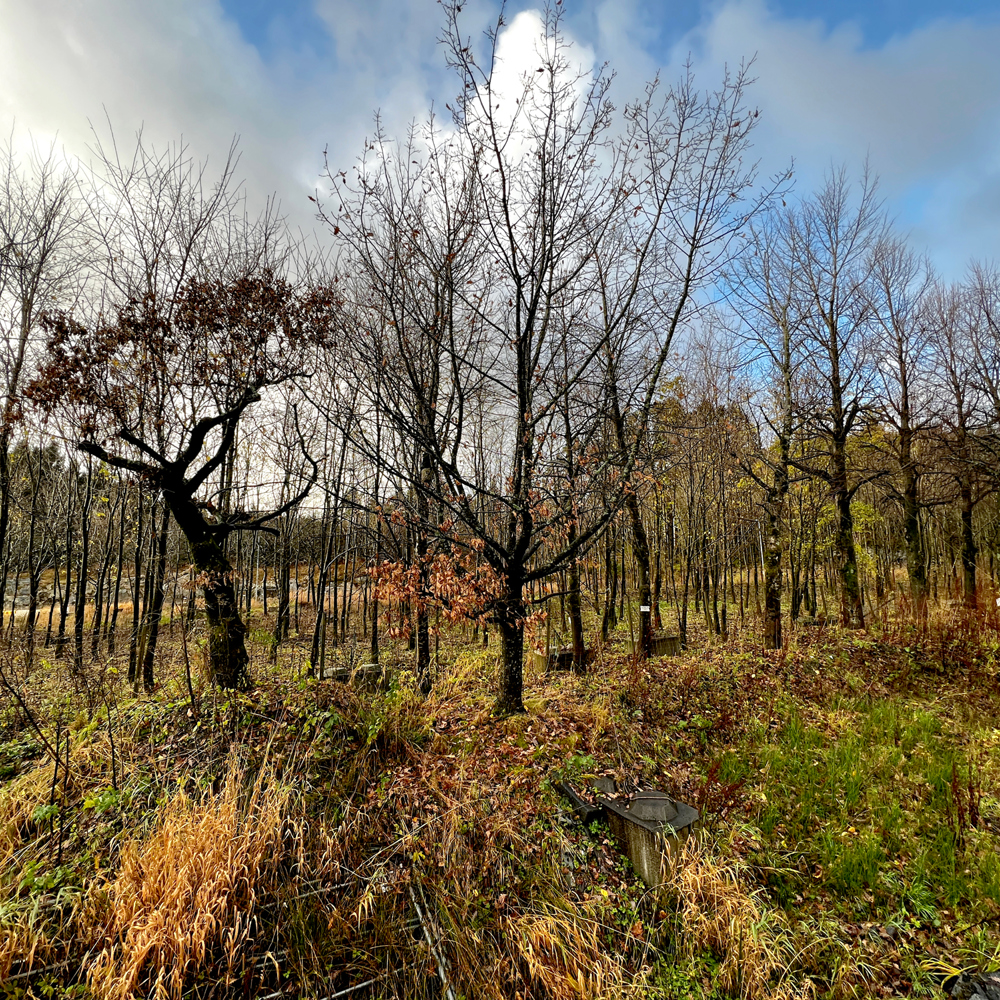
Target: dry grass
column 190, row 895
column 718, row 913
column 18, row 800
column 35, row 924
column 563, row 953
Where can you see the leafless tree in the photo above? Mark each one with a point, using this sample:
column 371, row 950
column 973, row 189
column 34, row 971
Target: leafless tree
column 43, row 254
column 522, row 278
column 902, row 324
column 833, row 241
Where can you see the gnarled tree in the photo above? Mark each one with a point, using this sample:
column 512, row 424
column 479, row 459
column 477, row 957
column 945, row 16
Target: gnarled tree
column 159, row 392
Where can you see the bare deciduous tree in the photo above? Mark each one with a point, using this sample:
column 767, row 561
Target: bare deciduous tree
column 520, row 282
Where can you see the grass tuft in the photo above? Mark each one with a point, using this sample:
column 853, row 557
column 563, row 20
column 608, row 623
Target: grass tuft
column 189, row 895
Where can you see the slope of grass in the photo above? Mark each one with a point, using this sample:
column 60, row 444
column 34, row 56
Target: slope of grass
column 311, row 837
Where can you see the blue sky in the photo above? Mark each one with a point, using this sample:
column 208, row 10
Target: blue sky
column 274, row 26
column 912, row 84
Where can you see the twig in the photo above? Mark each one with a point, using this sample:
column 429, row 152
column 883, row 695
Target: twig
column 332, row 996
column 433, row 940
column 27, row 711
column 38, row 972
column 111, row 739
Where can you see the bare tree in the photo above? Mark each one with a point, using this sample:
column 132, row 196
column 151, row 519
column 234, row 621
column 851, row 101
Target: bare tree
column 833, row 241
column 764, row 292
column 505, row 270
column 900, row 289
column 961, row 385
column 42, row 254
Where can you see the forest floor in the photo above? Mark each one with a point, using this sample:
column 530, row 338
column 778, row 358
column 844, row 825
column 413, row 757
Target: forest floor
column 311, row 838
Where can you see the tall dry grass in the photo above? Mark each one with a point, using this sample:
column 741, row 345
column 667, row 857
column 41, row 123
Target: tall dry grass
column 718, row 913
column 35, row 926
column 190, row 896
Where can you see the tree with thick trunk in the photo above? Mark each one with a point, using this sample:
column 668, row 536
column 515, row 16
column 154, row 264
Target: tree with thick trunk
column 159, row 393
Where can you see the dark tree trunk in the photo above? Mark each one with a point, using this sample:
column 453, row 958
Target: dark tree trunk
column 851, row 610
column 609, row 619
column 284, row 574
column 640, row 549
column 657, row 571
column 133, row 647
column 772, row 578
column 373, row 607
column 154, row 612
column 576, row 619
column 34, row 571
column 510, row 618
column 61, row 638
column 5, row 505
column 82, row 575
column 916, row 557
column 229, row 663
column 120, row 559
column 423, row 624
column 969, row 550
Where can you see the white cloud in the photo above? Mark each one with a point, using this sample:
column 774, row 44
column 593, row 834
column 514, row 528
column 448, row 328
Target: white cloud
column 925, row 105
column 183, row 69
column 925, row 108
column 177, row 69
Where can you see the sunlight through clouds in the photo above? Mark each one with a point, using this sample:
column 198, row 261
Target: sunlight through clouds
column 922, row 103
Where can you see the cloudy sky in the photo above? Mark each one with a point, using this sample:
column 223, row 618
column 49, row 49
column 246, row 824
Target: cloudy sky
column 912, row 84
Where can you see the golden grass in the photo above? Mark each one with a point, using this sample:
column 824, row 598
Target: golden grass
column 564, row 954
column 718, row 913
column 18, row 800
column 29, row 932
column 190, row 895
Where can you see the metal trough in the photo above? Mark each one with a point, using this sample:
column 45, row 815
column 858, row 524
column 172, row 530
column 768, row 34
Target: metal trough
column 659, row 645
column 649, row 829
column 648, row 826
column 560, row 658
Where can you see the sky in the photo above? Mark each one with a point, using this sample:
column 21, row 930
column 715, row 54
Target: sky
column 911, row 85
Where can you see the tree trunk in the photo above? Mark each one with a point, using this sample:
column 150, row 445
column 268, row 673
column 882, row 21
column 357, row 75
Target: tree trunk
column 916, row 558
column 284, row 574
column 640, row 549
column 120, row 560
column 133, row 649
column 609, row 619
column 510, row 619
column 82, row 574
column 229, row 663
column 155, row 610
column 772, row 577
column 969, row 550
column 423, row 623
column 851, row 611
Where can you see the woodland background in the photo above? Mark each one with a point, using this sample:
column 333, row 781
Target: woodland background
column 281, row 526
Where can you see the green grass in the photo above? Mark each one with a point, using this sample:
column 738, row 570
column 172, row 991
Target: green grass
column 859, row 816
column 850, row 788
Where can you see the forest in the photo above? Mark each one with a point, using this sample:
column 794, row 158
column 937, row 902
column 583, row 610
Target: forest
column 574, row 450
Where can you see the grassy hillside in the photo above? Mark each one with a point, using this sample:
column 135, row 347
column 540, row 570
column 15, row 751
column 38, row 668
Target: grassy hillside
column 316, row 839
